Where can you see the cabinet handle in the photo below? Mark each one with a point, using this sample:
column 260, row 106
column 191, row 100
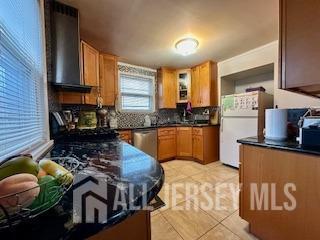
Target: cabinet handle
column 221, row 125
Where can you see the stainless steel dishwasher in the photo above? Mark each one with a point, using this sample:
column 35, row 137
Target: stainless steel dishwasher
column 147, row 141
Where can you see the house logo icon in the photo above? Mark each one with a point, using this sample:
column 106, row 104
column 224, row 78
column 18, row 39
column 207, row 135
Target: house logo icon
column 89, row 199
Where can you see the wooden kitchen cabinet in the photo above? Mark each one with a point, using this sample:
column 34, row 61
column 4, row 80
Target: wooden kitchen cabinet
column 205, row 144
column 136, row 227
column 90, row 72
column 89, row 76
column 183, row 85
column 259, row 165
column 184, row 142
column 125, row 135
column 195, row 87
column 108, row 79
column 167, row 88
column 299, row 46
column 204, row 88
column 167, row 143
column 197, row 147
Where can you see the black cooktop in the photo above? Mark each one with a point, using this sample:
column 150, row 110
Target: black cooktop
column 85, row 135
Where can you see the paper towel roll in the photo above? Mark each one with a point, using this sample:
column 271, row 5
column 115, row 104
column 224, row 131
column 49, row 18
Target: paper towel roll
column 276, row 124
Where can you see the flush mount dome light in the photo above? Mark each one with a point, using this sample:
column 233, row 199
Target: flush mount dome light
column 187, row 46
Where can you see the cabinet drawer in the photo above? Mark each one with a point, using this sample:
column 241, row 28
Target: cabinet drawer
column 197, row 131
column 166, row 131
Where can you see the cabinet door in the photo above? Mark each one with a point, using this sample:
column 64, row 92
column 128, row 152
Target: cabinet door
column 183, row 85
column 195, row 87
column 184, row 141
column 205, row 85
column 299, row 45
column 197, row 147
column 166, row 147
column 108, row 79
column 167, row 88
column 90, row 72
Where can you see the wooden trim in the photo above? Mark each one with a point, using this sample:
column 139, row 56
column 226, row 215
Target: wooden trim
column 282, row 44
column 241, row 156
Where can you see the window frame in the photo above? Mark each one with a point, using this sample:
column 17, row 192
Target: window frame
column 153, row 96
column 38, row 149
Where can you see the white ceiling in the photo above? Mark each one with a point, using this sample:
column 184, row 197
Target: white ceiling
column 143, row 32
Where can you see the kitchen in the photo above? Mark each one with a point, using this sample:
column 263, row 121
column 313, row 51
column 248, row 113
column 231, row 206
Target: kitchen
column 159, row 119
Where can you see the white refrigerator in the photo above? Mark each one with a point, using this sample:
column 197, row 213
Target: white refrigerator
column 242, row 115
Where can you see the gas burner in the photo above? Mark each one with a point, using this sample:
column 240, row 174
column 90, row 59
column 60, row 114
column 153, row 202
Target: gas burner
column 89, row 135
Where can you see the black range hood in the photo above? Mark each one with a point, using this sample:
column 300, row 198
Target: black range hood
column 66, row 48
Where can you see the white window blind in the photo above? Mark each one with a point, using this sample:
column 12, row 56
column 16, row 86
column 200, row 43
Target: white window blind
column 22, row 88
column 136, row 93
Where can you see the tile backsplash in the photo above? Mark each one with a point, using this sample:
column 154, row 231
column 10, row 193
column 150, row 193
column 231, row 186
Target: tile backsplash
column 134, row 119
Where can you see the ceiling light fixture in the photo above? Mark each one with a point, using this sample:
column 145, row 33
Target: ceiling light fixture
column 187, row 46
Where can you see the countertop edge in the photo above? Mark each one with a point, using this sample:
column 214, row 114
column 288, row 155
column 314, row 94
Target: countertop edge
column 295, row 147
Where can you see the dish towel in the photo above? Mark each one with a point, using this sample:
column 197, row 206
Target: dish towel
column 189, row 108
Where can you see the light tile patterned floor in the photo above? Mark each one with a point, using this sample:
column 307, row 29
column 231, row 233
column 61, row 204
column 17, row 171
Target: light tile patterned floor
column 190, row 216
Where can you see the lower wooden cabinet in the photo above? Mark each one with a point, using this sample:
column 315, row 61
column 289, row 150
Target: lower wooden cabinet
column 126, row 135
column 269, row 171
column 197, row 147
column 167, row 143
column 136, row 227
column 184, row 142
column 205, row 144
column 194, row 143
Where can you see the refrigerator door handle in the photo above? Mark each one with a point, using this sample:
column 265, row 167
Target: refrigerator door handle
column 221, row 125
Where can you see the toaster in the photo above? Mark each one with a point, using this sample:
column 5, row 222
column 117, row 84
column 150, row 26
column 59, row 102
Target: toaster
column 310, row 136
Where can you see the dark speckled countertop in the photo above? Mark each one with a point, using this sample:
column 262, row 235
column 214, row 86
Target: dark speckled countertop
column 288, row 145
column 121, row 165
column 170, row 125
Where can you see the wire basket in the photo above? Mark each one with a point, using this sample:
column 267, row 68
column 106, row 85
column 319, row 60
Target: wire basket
column 50, row 193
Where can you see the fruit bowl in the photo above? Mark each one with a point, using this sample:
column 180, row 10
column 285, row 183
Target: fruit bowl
column 14, row 209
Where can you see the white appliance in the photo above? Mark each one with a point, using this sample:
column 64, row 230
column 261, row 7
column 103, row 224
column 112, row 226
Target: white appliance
column 276, row 124
column 242, row 115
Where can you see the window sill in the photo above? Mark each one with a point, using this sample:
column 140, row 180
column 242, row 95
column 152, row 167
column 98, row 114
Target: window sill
column 40, row 150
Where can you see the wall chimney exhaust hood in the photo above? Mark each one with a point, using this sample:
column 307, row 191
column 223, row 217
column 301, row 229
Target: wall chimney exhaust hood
column 65, row 49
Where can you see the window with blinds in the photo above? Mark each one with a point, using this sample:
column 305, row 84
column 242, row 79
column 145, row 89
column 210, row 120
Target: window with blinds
column 22, row 88
column 136, row 93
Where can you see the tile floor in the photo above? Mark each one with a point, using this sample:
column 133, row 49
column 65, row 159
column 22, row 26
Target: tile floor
column 192, row 193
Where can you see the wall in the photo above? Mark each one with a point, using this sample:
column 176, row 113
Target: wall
column 258, row 57
column 52, row 94
column 265, row 80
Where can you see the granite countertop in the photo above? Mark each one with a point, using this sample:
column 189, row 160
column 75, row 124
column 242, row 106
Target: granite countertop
column 289, row 145
column 170, row 125
column 121, row 166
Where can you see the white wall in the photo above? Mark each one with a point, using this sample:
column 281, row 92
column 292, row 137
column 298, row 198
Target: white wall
column 262, row 56
column 264, row 80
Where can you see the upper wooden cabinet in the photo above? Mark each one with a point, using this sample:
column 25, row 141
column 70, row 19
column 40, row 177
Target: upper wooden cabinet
column 90, row 72
column 195, row 87
column 167, row 88
column 183, row 85
column 89, row 76
column 108, row 79
column 99, row 71
column 184, row 141
column 299, row 46
column 204, row 86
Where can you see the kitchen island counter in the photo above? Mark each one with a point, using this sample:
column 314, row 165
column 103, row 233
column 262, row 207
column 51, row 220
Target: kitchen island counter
column 288, row 145
column 124, row 168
